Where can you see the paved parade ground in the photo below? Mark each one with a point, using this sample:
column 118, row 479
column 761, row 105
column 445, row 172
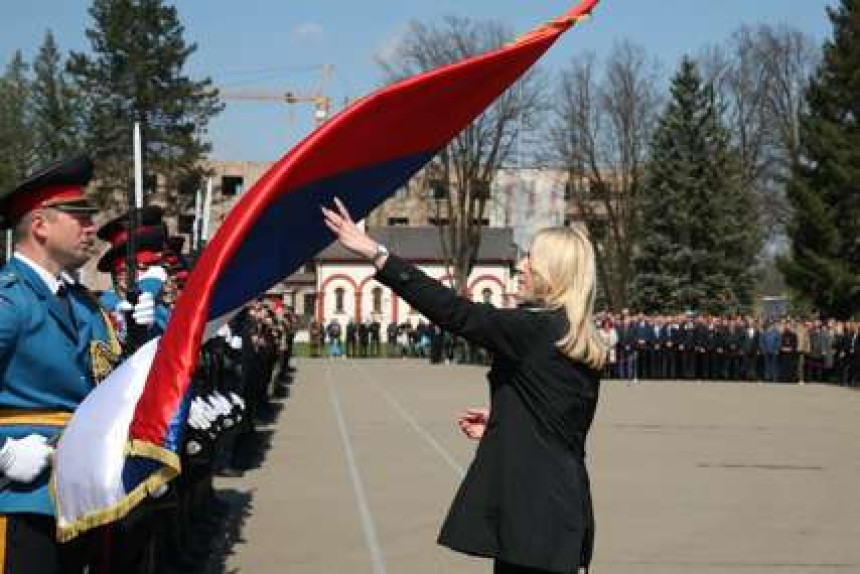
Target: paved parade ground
column 689, row 478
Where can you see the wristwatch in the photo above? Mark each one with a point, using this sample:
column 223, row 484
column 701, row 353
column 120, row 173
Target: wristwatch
column 381, row 251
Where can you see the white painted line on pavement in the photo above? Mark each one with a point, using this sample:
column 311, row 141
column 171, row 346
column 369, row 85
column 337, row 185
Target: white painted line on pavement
column 368, row 525
column 416, row 426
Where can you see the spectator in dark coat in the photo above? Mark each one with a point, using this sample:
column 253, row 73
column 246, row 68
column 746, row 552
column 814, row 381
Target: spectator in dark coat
column 375, row 329
column 363, row 338
column 749, row 349
column 351, row 339
column 391, row 339
column 788, row 354
column 687, row 348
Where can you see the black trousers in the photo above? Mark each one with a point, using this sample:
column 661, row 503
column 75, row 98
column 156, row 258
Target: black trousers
column 500, row 567
column 30, row 547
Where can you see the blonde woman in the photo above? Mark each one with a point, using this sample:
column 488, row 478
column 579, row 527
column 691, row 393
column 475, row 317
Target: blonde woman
column 525, row 501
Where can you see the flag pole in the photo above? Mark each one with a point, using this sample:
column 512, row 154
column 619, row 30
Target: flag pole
column 207, row 213
column 138, row 168
column 195, row 226
column 135, row 334
column 135, row 200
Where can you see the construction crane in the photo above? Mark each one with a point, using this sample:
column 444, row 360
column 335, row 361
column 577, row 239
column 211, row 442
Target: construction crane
column 320, row 101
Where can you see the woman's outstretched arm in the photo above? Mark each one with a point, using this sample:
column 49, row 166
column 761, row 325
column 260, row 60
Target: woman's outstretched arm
column 502, row 331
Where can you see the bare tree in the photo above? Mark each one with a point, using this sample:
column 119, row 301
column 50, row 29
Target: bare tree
column 790, row 58
column 739, row 78
column 460, row 176
column 760, row 74
column 601, row 133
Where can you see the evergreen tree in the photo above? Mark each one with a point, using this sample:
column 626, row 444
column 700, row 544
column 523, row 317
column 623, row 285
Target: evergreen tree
column 135, row 73
column 16, row 133
column 57, row 113
column 697, row 240
column 823, row 267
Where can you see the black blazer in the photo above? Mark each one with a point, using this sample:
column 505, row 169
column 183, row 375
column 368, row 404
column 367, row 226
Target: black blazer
column 526, row 497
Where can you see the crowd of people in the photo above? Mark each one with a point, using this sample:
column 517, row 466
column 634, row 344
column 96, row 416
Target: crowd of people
column 688, row 346
column 423, row 340
column 731, row 348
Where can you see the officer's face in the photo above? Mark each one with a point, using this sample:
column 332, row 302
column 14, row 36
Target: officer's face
column 170, row 292
column 68, row 236
column 120, row 281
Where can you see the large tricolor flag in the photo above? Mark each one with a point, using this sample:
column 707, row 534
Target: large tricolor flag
column 122, row 443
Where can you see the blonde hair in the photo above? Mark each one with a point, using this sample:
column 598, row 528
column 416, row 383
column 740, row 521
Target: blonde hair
column 563, row 275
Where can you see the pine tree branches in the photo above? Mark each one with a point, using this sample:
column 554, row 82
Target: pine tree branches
column 823, row 267
column 698, row 238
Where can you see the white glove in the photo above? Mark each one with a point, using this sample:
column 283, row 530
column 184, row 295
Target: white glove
column 220, row 404
column 155, row 272
column 196, row 418
column 22, row 460
column 152, row 280
column 195, row 422
column 236, row 342
column 144, row 311
column 205, row 412
column 212, row 401
column 223, row 407
column 210, row 413
column 237, row 400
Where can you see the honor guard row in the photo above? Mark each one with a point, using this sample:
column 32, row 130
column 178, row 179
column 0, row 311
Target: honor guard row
column 58, row 340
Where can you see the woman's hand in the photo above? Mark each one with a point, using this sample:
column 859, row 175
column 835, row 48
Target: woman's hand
column 473, row 422
column 347, row 232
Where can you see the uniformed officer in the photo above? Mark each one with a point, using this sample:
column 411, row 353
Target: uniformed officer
column 151, row 243
column 55, row 345
column 135, row 545
column 177, row 266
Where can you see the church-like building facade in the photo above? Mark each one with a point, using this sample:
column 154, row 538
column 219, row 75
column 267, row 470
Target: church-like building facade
column 345, row 287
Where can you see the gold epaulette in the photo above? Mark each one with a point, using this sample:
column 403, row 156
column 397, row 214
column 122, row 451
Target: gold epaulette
column 105, row 355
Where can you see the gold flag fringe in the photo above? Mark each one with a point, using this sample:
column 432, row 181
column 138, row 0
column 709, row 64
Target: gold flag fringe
column 171, row 469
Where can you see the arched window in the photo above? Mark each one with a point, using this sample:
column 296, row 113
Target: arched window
column 310, row 304
column 377, row 299
column 487, row 295
column 338, row 300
